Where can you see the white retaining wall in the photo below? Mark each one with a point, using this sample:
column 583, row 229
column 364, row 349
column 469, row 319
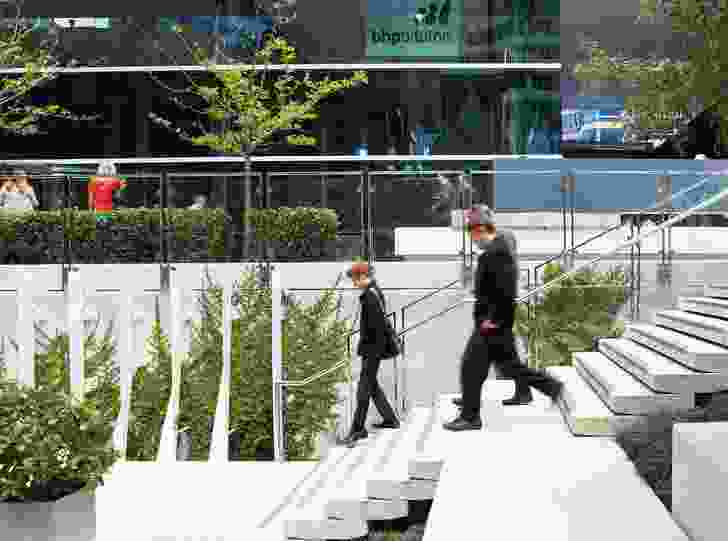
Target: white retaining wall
column 699, row 478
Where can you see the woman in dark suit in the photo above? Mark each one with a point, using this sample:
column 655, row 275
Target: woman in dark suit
column 377, row 341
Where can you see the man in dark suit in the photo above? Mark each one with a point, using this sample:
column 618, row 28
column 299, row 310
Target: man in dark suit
column 494, row 313
column 376, row 342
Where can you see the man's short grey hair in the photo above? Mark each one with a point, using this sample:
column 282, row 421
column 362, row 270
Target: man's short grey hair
column 106, row 169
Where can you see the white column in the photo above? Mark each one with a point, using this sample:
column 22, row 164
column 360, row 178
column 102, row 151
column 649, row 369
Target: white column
column 219, row 443
column 127, row 365
column 24, row 368
column 168, row 440
column 276, row 360
column 75, row 329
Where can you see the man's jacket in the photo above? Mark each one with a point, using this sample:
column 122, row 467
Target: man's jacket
column 496, row 283
column 377, row 338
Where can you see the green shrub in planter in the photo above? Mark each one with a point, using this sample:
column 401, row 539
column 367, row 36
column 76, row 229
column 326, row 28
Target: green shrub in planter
column 45, row 437
column 151, row 388
column 314, row 339
column 50, row 444
column 572, row 313
column 648, row 443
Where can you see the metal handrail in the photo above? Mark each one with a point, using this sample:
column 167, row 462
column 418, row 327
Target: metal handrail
column 613, row 228
column 540, row 289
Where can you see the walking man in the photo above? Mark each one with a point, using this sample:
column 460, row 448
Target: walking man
column 492, row 338
column 377, row 341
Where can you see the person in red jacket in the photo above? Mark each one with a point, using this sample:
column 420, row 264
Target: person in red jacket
column 101, row 189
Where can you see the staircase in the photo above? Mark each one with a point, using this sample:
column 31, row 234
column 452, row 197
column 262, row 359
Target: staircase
column 653, row 367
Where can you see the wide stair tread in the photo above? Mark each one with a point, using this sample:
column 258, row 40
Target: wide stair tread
column 687, row 350
column 621, row 391
column 703, row 327
column 349, row 499
column 708, row 306
column 584, row 411
column 717, row 290
column 306, row 518
column 657, row 371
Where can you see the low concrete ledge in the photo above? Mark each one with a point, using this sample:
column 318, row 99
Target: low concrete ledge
column 699, row 477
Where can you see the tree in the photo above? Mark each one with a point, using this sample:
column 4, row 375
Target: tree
column 571, row 315
column 257, row 109
column 669, row 86
column 17, row 116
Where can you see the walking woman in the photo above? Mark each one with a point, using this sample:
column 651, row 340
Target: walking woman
column 101, row 189
column 377, row 341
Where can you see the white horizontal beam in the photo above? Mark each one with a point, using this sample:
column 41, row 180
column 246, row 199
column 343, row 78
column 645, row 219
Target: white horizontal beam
column 287, row 159
column 489, row 67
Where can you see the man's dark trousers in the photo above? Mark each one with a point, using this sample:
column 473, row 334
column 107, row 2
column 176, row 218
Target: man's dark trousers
column 367, row 389
column 499, row 348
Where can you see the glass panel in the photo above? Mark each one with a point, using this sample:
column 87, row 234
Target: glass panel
column 404, row 112
column 30, row 241
column 411, row 30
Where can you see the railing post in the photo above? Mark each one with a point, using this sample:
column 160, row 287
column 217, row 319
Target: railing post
column 277, row 317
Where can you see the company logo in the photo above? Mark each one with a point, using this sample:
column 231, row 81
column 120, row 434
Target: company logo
column 430, row 24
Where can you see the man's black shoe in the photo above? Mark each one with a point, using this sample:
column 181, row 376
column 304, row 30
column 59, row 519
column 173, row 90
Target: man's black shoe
column 386, row 424
column 458, row 402
column 557, row 389
column 519, row 399
column 460, row 424
column 353, row 437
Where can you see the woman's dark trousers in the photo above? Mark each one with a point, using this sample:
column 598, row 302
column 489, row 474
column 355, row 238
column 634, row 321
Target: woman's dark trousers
column 369, row 389
column 500, row 349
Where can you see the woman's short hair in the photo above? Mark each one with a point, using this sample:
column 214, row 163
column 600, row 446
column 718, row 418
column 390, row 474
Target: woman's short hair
column 360, row 268
column 106, row 169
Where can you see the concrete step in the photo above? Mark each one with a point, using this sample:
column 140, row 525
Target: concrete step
column 305, row 517
column 391, row 481
column 705, row 328
column 707, row 306
column 718, row 290
column 563, row 484
column 621, row 391
column 687, row 350
column 658, row 371
column 388, row 464
column 583, row 410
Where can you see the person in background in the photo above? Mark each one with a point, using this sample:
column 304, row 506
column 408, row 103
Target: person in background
column 377, row 341
column 492, row 339
column 199, row 202
column 18, row 194
column 101, row 189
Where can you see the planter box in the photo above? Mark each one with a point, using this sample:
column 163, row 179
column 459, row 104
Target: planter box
column 72, row 518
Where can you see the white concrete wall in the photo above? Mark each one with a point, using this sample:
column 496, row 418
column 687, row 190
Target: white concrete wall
column 699, row 478
column 424, row 241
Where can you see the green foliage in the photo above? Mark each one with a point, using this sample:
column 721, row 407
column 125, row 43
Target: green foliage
column 151, row 390
column 572, row 313
column 283, row 224
column 313, row 336
column 667, row 86
column 46, row 436
column 259, row 107
column 17, row 50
